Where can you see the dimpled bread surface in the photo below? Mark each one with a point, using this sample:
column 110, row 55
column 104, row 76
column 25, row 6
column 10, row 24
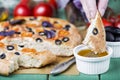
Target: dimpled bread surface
column 35, row 41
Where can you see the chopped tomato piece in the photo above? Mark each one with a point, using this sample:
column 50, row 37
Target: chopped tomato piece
column 63, row 33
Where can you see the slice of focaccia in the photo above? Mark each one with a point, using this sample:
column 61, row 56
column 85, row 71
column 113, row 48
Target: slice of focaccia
column 8, row 63
column 95, row 37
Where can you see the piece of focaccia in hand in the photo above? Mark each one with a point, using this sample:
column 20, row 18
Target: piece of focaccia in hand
column 95, row 37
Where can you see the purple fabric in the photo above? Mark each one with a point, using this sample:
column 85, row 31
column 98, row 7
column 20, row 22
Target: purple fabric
column 78, row 5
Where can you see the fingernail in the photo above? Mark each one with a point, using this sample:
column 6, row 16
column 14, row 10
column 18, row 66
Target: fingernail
column 102, row 11
column 92, row 15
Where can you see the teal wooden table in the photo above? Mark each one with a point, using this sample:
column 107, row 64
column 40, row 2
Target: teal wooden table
column 112, row 74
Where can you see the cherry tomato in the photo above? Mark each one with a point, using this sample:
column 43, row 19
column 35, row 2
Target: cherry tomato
column 43, row 9
column 106, row 22
column 22, row 10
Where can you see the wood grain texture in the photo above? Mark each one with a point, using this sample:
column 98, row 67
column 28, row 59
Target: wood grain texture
column 75, row 77
column 24, row 77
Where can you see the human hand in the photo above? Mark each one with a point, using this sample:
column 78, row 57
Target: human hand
column 90, row 7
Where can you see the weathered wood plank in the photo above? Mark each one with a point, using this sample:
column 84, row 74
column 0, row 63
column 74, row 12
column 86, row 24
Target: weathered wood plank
column 114, row 71
column 24, row 77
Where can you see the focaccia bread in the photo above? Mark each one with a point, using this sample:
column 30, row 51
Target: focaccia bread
column 95, row 37
column 35, row 42
column 42, row 33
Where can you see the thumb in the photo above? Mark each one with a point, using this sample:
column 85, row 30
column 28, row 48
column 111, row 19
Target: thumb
column 102, row 5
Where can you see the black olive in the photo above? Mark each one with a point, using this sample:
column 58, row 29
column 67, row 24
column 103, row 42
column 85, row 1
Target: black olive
column 42, row 33
column 2, row 56
column 17, row 32
column 67, row 27
column 15, row 22
column 33, row 18
column 65, row 39
column 10, row 47
column 109, row 36
column 117, row 38
column 29, row 29
column 95, row 31
column 33, row 32
column 38, row 40
column 58, row 42
column 17, row 53
column 113, row 30
column 6, row 28
column 21, row 46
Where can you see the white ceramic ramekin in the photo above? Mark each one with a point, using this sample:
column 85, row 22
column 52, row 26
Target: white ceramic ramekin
column 116, row 49
column 89, row 65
